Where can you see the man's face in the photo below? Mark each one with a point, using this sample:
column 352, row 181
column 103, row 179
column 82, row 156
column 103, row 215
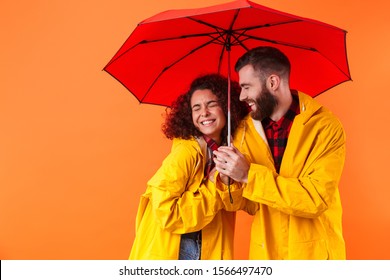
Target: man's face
column 255, row 93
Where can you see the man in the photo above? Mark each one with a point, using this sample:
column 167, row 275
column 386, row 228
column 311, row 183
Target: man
column 288, row 156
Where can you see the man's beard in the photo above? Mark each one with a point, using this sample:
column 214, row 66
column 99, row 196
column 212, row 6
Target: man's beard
column 265, row 105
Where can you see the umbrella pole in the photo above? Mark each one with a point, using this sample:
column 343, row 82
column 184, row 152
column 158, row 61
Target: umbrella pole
column 228, row 114
column 228, row 109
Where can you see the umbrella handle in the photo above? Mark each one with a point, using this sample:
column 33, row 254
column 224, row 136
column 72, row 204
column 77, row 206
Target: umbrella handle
column 230, row 194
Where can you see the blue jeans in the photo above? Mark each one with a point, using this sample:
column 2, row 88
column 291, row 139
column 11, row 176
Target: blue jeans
column 190, row 249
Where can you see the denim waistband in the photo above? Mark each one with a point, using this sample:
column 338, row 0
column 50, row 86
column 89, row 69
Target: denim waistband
column 192, row 235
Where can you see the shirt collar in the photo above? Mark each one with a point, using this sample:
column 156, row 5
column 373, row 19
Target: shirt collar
column 286, row 121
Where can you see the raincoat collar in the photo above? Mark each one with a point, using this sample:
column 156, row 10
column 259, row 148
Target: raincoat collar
column 308, row 107
column 201, row 147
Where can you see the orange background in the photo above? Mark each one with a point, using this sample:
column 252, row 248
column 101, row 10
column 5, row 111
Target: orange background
column 76, row 148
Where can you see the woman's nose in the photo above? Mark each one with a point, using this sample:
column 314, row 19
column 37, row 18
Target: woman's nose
column 204, row 111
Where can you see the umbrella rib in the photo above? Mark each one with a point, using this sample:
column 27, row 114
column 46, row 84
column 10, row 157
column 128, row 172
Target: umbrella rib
column 175, row 62
column 215, row 27
column 178, row 37
column 244, row 29
column 240, row 42
column 218, row 30
column 208, row 34
column 294, row 46
column 348, row 75
column 268, row 25
column 234, row 32
column 278, row 42
column 227, row 42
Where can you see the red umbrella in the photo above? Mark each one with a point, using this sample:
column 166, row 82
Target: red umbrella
column 167, row 51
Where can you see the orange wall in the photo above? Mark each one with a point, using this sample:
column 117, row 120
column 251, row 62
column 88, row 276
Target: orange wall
column 76, row 148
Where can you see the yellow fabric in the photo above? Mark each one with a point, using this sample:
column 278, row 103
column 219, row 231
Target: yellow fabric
column 300, row 213
column 176, row 202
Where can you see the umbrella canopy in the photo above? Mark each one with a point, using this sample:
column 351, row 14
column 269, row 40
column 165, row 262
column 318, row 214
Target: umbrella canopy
column 166, row 52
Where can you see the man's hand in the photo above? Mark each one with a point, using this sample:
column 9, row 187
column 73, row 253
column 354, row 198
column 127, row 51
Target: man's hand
column 232, row 163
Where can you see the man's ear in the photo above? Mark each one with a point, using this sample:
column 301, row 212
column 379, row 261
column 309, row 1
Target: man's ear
column 273, row 82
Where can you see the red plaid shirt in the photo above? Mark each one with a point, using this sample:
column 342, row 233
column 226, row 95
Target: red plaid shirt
column 211, row 147
column 277, row 132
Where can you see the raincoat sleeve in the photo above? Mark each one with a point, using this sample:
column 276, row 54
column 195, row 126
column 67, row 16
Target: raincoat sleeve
column 236, row 201
column 309, row 190
column 181, row 201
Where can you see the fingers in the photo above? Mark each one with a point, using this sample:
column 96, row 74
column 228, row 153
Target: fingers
column 227, row 148
column 227, row 154
column 224, row 162
column 221, row 158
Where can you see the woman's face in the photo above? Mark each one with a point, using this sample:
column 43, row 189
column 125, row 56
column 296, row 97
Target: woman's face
column 207, row 114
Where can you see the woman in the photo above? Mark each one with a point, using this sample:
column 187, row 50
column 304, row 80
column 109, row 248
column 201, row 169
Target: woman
column 181, row 214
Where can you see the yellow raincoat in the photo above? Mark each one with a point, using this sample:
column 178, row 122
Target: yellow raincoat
column 176, row 201
column 300, row 214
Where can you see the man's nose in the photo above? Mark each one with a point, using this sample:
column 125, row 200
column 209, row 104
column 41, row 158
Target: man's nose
column 243, row 96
